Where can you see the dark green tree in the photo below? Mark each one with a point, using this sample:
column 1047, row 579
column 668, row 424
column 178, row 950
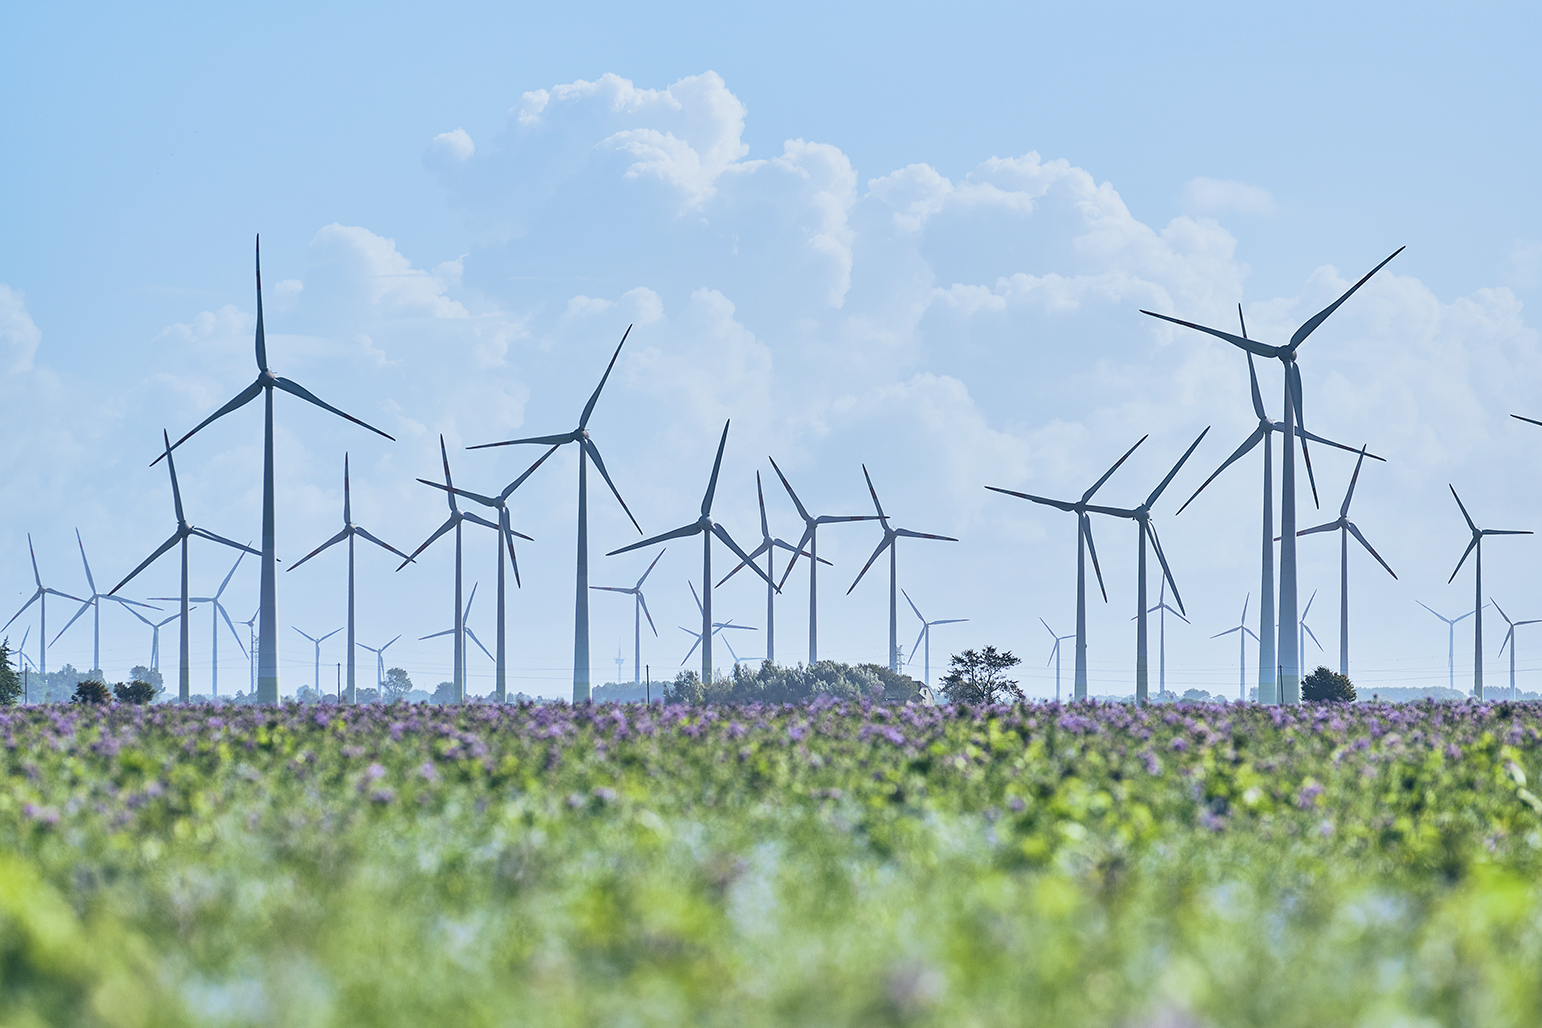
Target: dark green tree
column 10, row 681
column 444, row 694
column 91, row 690
column 140, row 673
column 980, row 677
column 1324, row 686
column 134, row 692
column 397, row 685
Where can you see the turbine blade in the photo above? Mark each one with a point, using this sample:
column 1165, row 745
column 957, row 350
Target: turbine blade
column 1229, row 631
column 788, row 486
column 884, row 544
column 296, row 389
column 722, row 533
column 473, row 637
column 33, row 554
column 583, row 421
column 918, row 610
column 437, row 635
column 908, row 534
column 1350, row 493
column 1317, row 319
column 1099, row 483
column 1502, row 531
column 1064, row 505
column 594, row 455
column 1245, row 600
column 642, row 601
column 1308, row 609
column 614, row 589
column 756, row 552
column 1157, row 492
column 1258, row 397
column 477, row 519
column 221, row 590
column 1254, row 634
column 89, row 580
column 1247, row 445
column 1167, row 572
column 693, row 645
column 486, row 501
column 808, row 533
column 262, row 342
column 1314, row 437
column 381, row 543
column 506, row 535
column 1295, row 392
column 1242, row 341
column 1501, row 611
column 1370, row 549
column 765, row 529
column 683, row 532
column 176, row 492
column 528, row 472
column 176, row 537
column 717, row 465
column 1048, row 629
column 441, row 530
column 1462, row 505
column 339, row 537
column 241, row 399
column 204, row 533
column 85, row 606
column 1329, row 527
column 660, row 557
column 1086, row 529
column 347, row 493
column 539, row 440
column 873, row 493
column 1308, row 630
column 950, row 621
column 1508, row 636
column 311, row 638
column 220, row 608
column 1520, row 417
column 921, row 635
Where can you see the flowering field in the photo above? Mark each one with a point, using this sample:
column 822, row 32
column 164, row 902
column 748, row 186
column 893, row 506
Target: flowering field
column 818, row 865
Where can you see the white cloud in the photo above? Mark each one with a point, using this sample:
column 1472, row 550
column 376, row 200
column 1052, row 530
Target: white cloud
column 456, row 145
column 19, row 337
column 1222, row 196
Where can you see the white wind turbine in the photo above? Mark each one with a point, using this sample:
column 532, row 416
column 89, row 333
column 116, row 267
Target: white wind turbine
column 1161, row 610
column 214, row 623
column 1242, row 648
column 464, row 627
column 40, row 597
column 639, row 611
column 267, row 633
column 1477, row 621
column 587, row 451
column 155, row 634
column 1450, row 638
column 380, row 668
column 1288, row 658
column 1054, row 654
column 769, row 544
column 183, row 533
column 1306, row 630
column 318, row 641
column 1510, row 640
column 718, row 627
column 1346, row 528
column 1084, row 546
column 349, row 531
column 890, row 542
column 94, row 604
column 924, row 640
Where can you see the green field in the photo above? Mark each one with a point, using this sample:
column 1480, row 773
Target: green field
column 833, row 864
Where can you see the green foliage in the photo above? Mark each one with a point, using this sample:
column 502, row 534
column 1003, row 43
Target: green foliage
column 1324, row 686
column 90, row 690
column 397, row 685
column 141, row 673
column 445, row 694
column 134, row 692
column 773, row 683
column 10, row 681
column 980, row 677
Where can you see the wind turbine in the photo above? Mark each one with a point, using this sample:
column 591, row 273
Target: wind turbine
column 505, row 536
column 717, row 629
column 810, row 540
column 183, row 533
column 889, row 542
column 1346, row 528
column 1161, row 610
column 155, row 634
column 1267, row 669
column 40, row 597
column 214, row 622
column 267, row 633
column 1477, row 621
column 251, row 649
column 465, row 615
column 379, row 652
column 1510, row 640
column 705, row 527
column 1242, row 648
column 639, row 609
column 1054, row 653
column 94, row 604
column 22, row 660
column 768, row 546
column 1450, row 638
column 1289, row 658
column 318, row 642
column 454, row 521
column 926, row 638
column 586, row 451
column 1083, row 546
column 1306, row 630
column 349, row 531
column 1144, row 529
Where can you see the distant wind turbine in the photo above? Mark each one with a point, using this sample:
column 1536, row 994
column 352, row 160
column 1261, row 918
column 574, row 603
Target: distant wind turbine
column 891, row 535
column 40, row 597
column 1144, row 530
column 349, row 531
column 214, row 623
column 1161, row 610
column 1477, row 621
column 1084, row 545
column 769, row 544
column 318, row 642
column 380, row 669
column 1450, row 638
column 183, row 533
column 267, row 632
column 1242, row 648
column 705, row 527
column 94, row 604
column 1346, row 528
column 925, row 639
column 639, row 610
column 1510, row 640
column 1054, row 654
column 1289, row 657
column 810, row 541
column 717, row 629
column 1306, row 630
column 465, row 616
column 587, row 451
column 155, row 634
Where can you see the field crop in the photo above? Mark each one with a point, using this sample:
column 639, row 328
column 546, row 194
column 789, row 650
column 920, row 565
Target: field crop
column 830, row 864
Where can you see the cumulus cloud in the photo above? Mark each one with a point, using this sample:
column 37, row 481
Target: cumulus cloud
column 19, row 337
column 1222, row 196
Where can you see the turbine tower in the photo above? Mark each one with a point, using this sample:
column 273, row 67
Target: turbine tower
column 40, row 597
column 1510, row 640
column 925, row 639
column 768, row 546
column 1054, row 654
column 1084, row 545
column 639, row 610
column 349, row 531
column 267, row 381
column 94, row 604
column 705, row 527
column 318, row 642
column 810, row 540
column 1161, row 610
column 1267, row 669
column 889, row 542
column 1477, row 621
column 1242, row 648
column 505, row 537
column 586, row 451
column 183, row 533
column 214, row 623
column 155, row 634
column 1288, row 657
column 380, row 674
column 1144, row 529
column 1450, row 638
column 1346, row 528
column 454, row 522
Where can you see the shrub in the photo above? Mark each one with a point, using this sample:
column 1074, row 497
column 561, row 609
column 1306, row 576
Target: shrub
column 135, row 692
column 979, row 677
column 1324, row 686
column 90, row 690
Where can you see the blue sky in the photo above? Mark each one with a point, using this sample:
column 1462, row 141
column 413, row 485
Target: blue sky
column 939, row 278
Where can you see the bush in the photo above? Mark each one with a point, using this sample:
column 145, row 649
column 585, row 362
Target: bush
column 772, row 683
column 135, row 692
column 90, row 690
column 1324, row 686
